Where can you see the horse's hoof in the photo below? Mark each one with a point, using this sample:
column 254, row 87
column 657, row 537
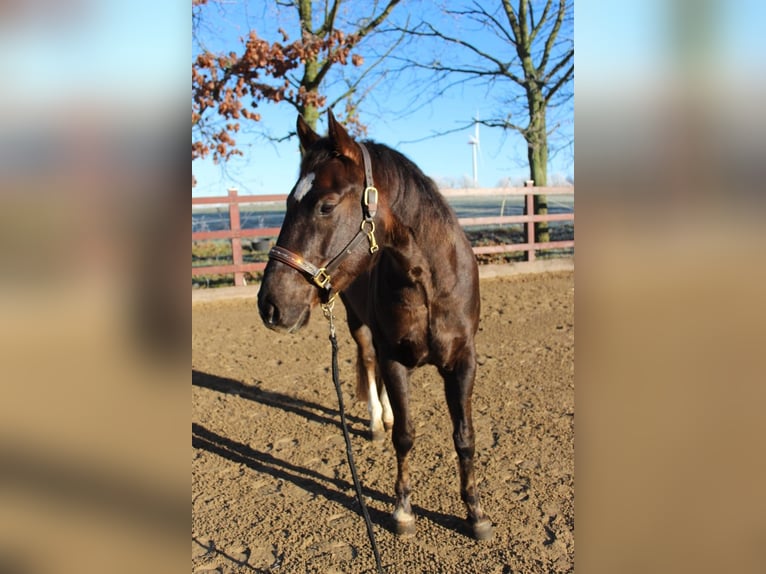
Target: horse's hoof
column 404, row 523
column 405, row 528
column 482, row 529
column 388, row 425
column 378, row 435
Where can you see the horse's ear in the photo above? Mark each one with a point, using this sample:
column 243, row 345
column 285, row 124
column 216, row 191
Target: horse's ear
column 306, row 135
column 343, row 143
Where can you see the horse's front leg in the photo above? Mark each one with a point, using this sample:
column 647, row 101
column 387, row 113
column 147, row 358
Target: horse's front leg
column 458, row 387
column 396, row 378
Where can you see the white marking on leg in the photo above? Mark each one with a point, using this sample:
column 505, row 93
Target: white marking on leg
column 402, row 517
column 388, row 414
column 373, row 405
column 303, row 186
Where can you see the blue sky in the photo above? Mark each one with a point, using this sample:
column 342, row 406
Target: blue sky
column 270, row 167
column 75, row 52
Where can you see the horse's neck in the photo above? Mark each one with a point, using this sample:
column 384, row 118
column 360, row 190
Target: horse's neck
column 419, row 246
column 406, row 250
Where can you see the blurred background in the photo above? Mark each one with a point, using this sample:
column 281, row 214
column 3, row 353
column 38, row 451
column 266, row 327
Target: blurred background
column 670, row 164
column 93, row 312
column 94, row 301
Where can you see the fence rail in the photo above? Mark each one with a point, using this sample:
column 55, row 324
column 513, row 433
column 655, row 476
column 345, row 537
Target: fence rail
column 235, row 233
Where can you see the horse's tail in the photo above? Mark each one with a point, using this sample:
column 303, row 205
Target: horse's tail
column 362, row 377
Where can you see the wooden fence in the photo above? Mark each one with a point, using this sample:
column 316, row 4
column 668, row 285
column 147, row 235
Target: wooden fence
column 235, row 233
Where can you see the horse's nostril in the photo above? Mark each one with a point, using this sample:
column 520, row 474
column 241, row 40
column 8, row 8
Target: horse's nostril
column 272, row 316
column 269, row 312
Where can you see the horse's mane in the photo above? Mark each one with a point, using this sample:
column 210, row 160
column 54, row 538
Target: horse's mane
column 414, row 193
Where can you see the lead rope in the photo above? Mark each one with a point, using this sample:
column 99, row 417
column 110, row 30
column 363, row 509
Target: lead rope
column 327, row 309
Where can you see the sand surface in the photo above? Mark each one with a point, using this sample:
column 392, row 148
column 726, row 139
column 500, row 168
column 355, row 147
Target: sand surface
column 271, row 488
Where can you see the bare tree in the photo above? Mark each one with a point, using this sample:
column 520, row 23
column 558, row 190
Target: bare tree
column 226, row 88
column 534, row 73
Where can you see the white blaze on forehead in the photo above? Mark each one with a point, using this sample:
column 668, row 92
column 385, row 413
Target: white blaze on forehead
column 303, row 186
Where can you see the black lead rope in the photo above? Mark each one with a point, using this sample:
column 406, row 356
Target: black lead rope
column 327, row 309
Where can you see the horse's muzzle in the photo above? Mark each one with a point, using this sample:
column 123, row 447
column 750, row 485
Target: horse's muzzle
column 279, row 319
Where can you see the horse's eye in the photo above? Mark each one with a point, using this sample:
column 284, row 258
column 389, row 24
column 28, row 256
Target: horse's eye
column 325, row 208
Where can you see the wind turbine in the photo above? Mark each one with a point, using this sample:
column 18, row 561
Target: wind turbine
column 474, row 142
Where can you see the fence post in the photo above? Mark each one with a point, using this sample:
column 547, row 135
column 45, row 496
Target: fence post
column 236, row 239
column 529, row 200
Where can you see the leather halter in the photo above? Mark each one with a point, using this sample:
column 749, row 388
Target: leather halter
column 321, row 276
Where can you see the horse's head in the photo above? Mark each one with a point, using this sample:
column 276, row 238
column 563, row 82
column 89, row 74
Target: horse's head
column 324, row 214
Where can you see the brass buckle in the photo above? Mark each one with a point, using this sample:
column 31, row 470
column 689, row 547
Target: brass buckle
column 367, row 191
column 321, row 278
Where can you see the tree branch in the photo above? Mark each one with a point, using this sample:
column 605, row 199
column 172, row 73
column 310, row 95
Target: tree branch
column 512, row 21
column 503, row 68
column 563, row 62
column 353, row 87
column 377, row 21
column 478, row 16
column 562, row 80
column 537, row 27
column 329, row 20
column 438, row 134
column 552, row 36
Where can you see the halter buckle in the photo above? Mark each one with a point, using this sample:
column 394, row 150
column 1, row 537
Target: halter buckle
column 367, row 191
column 321, row 278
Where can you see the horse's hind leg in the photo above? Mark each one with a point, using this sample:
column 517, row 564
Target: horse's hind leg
column 388, row 414
column 458, row 386
column 366, row 387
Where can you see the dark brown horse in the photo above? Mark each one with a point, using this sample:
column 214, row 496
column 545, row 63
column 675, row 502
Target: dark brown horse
column 405, row 271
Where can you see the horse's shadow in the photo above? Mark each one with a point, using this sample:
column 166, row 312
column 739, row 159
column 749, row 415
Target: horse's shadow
column 332, row 489
column 307, row 409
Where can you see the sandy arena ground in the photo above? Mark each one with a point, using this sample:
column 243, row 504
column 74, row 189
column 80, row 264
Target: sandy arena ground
column 271, row 488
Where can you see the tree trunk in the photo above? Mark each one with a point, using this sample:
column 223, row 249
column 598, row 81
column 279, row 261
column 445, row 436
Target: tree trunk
column 538, row 158
column 309, row 112
column 537, row 153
